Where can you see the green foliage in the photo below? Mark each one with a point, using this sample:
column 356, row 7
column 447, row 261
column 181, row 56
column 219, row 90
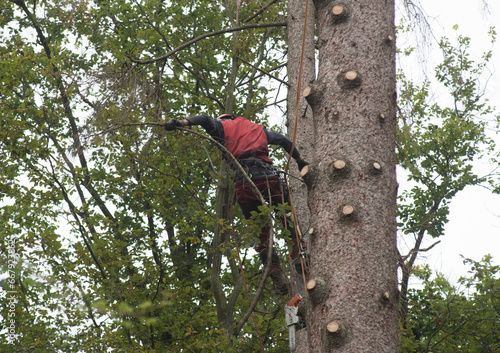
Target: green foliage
column 446, row 318
column 439, row 141
column 113, row 224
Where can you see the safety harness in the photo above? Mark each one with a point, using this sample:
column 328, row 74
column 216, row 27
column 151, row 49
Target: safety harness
column 255, row 168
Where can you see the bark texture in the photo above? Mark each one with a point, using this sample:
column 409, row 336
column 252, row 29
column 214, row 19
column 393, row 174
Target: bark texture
column 304, row 142
column 353, row 208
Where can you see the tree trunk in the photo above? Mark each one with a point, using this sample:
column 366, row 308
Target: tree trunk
column 351, row 181
column 222, row 210
column 303, row 140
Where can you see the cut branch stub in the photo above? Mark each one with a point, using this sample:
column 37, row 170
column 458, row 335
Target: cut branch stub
column 311, row 284
column 338, row 10
column 339, row 13
column 307, row 174
column 317, row 290
column 348, row 213
column 313, row 93
column 386, row 298
column 351, row 75
column 340, row 168
column 381, row 116
column 375, row 167
column 304, row 171
column 339, row 164
column 347, row 210
column 335, row 334
column 389, row 39
column 349, row 79
column 333, row 327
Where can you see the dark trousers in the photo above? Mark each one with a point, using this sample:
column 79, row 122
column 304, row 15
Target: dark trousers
column 274, row 193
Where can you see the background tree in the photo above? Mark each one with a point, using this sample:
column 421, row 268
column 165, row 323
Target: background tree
column 444, row 317
column 438, row 142
column 131, row 269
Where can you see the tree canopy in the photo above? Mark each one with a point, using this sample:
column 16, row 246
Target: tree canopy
column 108, row 222
column 460, row 317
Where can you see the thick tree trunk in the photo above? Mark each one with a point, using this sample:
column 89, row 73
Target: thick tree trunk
column 351, row 181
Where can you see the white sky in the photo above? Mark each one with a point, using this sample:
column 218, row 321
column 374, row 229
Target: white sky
column 474, row 227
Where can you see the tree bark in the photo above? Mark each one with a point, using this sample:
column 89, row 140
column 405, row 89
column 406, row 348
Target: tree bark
column 353, row 204
column 224, row 316
column 296, row 26
column 304, row 142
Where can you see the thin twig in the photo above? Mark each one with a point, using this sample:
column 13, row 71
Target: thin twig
column 263, row 71
column 260, row 11
column 413, row 251
column 207, row 35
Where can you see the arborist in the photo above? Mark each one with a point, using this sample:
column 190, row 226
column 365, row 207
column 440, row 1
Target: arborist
column 248, row 143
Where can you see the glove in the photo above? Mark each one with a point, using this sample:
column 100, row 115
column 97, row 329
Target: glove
column 301, row 163
column 172, row 124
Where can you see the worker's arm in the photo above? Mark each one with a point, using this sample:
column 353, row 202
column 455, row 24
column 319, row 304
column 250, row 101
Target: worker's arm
column 274, row 138
column 213, row 127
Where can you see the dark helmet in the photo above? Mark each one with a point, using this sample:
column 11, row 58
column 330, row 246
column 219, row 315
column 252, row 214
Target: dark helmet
column 225, row 117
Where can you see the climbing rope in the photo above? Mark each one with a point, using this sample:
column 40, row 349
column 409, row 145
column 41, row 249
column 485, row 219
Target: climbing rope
column 298, row 234
column 299, row 81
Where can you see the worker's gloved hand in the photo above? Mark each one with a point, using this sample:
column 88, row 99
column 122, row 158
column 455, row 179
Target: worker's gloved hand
column 172, row 124
column 301, row 163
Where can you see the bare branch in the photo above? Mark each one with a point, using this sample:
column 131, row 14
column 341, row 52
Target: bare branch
column 207, row 35
column 263, row 71
column 413, row 251
column 265, row 7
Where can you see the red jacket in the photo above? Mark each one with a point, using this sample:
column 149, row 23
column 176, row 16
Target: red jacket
column 245, row 139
